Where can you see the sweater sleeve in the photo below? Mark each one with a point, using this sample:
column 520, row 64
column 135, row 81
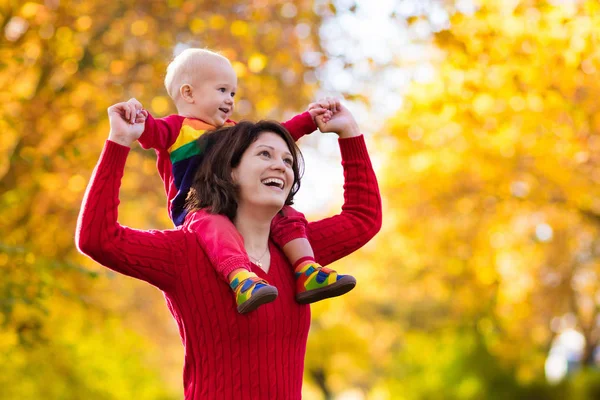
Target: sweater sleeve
column 300, row 125
column 160, row 133
column 335, row 237
column 153, row 256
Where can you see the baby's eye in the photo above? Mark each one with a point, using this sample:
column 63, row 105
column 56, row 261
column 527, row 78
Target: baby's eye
column 222, row 90
column 232, row 94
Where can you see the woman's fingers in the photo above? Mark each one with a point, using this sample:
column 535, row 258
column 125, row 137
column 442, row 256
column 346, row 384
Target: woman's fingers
column 133, row 111
column 135, row 108
column 129, row 112
column 336, row 105
column 330, row 103
column 136, row 103
column 119, row 108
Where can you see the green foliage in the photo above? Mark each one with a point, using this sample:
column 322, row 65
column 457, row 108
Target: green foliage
column 585, row 384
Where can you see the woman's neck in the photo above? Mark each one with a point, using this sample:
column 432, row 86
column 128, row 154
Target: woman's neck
column 255, row 229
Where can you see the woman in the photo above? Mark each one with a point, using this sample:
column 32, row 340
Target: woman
column 259, row 355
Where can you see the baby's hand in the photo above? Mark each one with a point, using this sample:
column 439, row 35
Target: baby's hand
column 132, row 111
column 316, row 110
column 330, row 104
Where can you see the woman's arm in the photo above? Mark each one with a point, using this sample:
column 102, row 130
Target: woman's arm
column 335, row 237
column 153, row 256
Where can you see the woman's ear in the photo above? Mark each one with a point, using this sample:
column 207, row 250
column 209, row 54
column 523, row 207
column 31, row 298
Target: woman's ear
column 234, row 176
column 187, row 92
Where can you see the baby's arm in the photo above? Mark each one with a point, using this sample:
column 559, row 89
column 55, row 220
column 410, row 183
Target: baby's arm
column 305, row 123
column 159, row 133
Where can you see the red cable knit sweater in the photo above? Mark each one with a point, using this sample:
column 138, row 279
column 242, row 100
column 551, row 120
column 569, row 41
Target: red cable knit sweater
column 228, row 355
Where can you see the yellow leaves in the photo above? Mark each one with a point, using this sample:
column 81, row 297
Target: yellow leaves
column 217, row 22
column 68, row 45
column 257, row 62
column 229, row 52
column 77, row 183
column 197, row 25
column 83, row 23
column 139, row 27
column 415, row 132
column 483, row 104
column 240, row 69
column 239, row 28
column 160, row 105
column 25, row 83
column 30, row 9
column 535, row 102
column 30, row 258
column 423, row 93
column 265, row 105
column 486, row 275
column 72, row 122
column 51, row 182
column 588, row 67
column 517, row 103
column 497, row 77
column 70, row 66
column 46, row 31
column 496, row 162
column 420, row 162
column 110, row 38
column 514, row 26
column 53, row 129
column 81, row 93
column 149, row 166
column 32, row 51
column 64, row 34
column 571, row 58
column 117, row 67
column 288, row 10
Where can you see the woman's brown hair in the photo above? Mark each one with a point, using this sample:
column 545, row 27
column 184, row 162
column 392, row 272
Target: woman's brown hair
column 213, row 187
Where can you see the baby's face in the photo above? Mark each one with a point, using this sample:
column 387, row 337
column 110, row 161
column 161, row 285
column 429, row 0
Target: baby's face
column 213, row 92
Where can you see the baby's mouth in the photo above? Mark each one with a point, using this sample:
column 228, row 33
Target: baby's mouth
column 225, row 110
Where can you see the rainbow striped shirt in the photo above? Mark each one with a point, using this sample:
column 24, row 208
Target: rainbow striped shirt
column 174, row 138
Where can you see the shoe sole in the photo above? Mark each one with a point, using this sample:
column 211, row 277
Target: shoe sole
column 343, row 286
column 263, row 296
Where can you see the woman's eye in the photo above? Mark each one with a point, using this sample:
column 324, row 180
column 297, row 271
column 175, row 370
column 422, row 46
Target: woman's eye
column 288, row 161
column 265, row 153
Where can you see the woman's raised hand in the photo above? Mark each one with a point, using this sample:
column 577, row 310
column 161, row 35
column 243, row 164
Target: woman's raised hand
column 340, row 122
column 127, row 121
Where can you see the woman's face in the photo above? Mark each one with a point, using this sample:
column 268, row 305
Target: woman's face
column 264, row 175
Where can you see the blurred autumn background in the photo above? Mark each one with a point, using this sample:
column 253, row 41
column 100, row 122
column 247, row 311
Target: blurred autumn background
column 482, row 118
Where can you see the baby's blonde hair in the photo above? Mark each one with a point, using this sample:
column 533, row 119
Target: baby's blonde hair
column 185, row 66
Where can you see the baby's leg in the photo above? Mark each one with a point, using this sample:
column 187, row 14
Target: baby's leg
column 313, row 282
column 224, row 247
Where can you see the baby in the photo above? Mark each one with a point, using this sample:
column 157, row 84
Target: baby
column 202, row 84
